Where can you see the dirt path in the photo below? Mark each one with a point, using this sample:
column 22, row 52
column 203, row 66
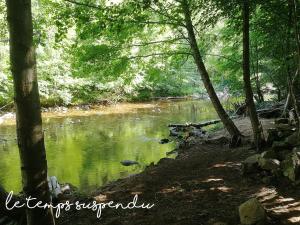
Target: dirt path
column 202, row 186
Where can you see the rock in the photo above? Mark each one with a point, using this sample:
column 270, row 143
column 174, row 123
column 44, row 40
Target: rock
column 293, row 140
column 267, row 180
column 283, row 127
column 272, row 165
column 296, row 150
column 174, row 132
column 292, row 117
column 281, row 145
column 290, row 166
column 250, row 165
column 164, row 141
column 272, row 135
column 281, row 155
column 196, row 132
column 165, row 160
column 174, row 151
column 270, row 154
column 128, row 163
column 219, row 223
column 251, row 212
column 282, row 121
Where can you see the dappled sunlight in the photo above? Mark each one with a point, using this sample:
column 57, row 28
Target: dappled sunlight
column 222, row 189
column 100, row 198
column 212, row 180
column 295, row 219
column 277, row 204
column 226, row 164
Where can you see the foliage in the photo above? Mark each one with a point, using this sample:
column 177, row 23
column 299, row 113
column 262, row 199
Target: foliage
column 88, row 51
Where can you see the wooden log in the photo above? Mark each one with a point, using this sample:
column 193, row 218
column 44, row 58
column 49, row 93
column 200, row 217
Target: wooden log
column 270, row 113
column 196, row 125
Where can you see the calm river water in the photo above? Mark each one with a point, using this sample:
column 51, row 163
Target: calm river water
column 86, row 150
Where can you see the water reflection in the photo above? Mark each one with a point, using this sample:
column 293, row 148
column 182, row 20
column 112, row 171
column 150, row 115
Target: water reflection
column 86, row 150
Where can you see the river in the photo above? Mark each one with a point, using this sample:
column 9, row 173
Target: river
column 85, row 149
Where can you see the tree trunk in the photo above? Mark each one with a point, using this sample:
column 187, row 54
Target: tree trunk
column 260, row 96
column 228, row 123
column 297, row 38
column 256, row 126
column 257, row 81
column 29, row 123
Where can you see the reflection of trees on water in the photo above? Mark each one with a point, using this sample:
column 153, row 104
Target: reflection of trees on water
column 86, row 151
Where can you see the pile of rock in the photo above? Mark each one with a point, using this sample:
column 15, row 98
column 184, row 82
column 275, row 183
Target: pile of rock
column 282, row 157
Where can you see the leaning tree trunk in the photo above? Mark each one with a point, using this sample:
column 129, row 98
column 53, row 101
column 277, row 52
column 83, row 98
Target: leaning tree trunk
column 228, row 123
column 256, row 126
column 29, row 123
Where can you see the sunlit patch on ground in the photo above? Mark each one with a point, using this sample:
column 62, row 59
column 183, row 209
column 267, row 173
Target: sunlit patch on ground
column 278, row 205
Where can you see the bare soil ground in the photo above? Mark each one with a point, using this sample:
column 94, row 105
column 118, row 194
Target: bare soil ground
column 202, row 186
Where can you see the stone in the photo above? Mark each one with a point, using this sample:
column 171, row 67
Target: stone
column 252, row 212
column 165, row 160
column 290, row 167
column 293, row 140
column 220, row 223
column 129, row 163
column 250, row 165
column 296, row 150
column 272, row 135
column 281, row 155
column 292, row 117
column 280, row 145
column 283, row 127
column 282, row 121
column 270, row 154
column 272, row 165
column 164, row 141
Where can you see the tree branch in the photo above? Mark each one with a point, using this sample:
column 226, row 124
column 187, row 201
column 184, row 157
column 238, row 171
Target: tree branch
column 156, row 54
column 84, row 4
column 156, row 42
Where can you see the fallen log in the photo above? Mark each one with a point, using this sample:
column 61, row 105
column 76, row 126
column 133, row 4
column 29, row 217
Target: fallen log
column 270, row 113
column 196, row 125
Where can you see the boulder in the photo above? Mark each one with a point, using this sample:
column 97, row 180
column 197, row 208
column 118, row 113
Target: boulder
column 272, row 165
column 282, row 121
column 252, row 212
column 164, row 141
column 272, row 135
column 281, row 155
column 281, row 145
column 250, row 165
column 293, row 140
column 129, row 162
column 292, row 117
column 291, row 167
column 270, row 154
column 296, row 151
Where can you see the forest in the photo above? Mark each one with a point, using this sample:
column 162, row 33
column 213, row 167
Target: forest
column 191, row 106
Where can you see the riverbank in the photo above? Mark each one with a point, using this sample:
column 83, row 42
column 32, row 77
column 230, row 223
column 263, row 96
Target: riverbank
column 7, row 117
column 203, row 185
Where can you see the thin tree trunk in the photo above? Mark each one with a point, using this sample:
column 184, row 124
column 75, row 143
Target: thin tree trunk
column 256, row 126
column 257, row 82
column 297, row 38
column 228, row 123
column 29, row 123
column 293, row 21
